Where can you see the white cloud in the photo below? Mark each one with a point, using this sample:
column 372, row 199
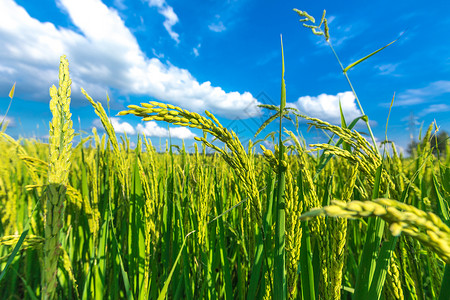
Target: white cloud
column 326, row 107
column 104, row 55
column 435, row 108
column 387, row 69
column 156, row 54
column 195, row 50
column 417, row 96
column 268, row 144
column 217, row 27
column 119, row 127
column 151, row 129
column 11, row 122
column 169, row 14
column 119, row 4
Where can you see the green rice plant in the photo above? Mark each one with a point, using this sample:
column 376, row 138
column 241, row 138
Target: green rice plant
column 427, row 228
column 339, row 238
column 325, row 32
column 237, row 158
column 393, row 283
column 60, row 140
column 124, row 230
column 280, row 288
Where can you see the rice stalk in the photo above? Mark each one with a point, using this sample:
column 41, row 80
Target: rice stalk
column 60, row 140
column 338, row 235
column 237, row 158
column 425, row 227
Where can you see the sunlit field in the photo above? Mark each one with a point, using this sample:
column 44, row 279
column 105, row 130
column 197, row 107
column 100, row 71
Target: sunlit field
column 87, row 216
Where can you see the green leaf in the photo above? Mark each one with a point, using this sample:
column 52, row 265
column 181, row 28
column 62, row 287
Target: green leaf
column 382, row 266
column 280, row 286
column 445, row 177
column 443, row 210
column 306, row 267
column 345, row 146
column 270, row 107
column 14, row 253
column 163, row 293
column 371, row 54
column 367, row 265
column 19, row 243
column 267, row 122
column 11, row 92
column 445, row 287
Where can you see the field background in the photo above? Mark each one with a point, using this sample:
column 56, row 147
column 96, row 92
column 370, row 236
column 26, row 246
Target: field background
column 128, row 212
column 347, row 219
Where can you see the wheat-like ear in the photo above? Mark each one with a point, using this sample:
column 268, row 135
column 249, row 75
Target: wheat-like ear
column 237, row 158
column 61, row 132
column 60, row 141
column 118, row 154
column 426, row 227
column 30, row 241
column 363, row 154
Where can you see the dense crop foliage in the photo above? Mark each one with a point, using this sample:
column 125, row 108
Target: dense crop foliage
column 339, row 220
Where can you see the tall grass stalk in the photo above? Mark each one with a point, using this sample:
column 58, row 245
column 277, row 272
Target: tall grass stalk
column 60, row 141
column 280, row 286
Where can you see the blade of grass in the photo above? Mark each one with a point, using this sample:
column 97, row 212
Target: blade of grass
column 185, row 259
column 280, row 286
column 163, row 293
column 371, row 54
column 369, row 255
column 27, row 287
column 443, row 210
column 14, row 253
column 222, row 245
column 445, row 287
column 126, row 281
column 306, row 267
column 379, row 276
column 19, row 243
column 345, row 146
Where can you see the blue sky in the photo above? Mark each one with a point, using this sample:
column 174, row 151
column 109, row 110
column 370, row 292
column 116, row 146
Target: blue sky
column 225, row 56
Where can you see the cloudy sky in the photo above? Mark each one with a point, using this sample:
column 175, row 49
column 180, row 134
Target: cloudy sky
column 225, row 56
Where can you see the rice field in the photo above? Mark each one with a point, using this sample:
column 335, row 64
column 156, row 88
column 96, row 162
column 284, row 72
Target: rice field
column 339, row 220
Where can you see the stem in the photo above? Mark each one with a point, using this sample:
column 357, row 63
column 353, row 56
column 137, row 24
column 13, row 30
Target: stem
column 366, row 119
column 280, row 284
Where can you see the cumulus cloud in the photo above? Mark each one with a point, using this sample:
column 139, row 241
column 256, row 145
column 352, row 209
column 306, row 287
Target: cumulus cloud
column 103, row 55
column 119, row 127
column 151, row 129
column 169, row 14
column 326, row 107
